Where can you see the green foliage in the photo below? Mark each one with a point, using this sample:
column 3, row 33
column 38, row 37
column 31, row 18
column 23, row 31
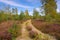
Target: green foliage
column 21, row 16
column 16, row 17
column 57, row 17
column 50, row 7
column 14, row 31
column 48, row 18
column 44, row 37
column 50, row 12
column 27, row 14
column 14, row 11
column 35, row 14
column 39, row 37
column 3, row 16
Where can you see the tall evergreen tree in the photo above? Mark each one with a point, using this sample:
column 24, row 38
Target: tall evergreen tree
column 27, row 14
column 13, row 11
column 35, row 14
column 16, row 11
column 22, row 15
column 50, row 7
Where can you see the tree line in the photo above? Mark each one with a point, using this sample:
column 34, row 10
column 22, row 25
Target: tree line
column 49, row 9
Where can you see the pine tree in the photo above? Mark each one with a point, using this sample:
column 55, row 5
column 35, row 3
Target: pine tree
column 15, row 11
column 21, row 16
column 7, row 9
column 50, row 7
column 27, row 14
column 35, row 14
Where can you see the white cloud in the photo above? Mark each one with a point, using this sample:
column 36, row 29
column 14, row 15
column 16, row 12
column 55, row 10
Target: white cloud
column 38, row 9
column 58, row 6
column 31, row 13
column 33, row 1
column 58, row 10
column 14, row 3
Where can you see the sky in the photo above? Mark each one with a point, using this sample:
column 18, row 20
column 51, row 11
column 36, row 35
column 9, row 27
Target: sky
column 25, row 4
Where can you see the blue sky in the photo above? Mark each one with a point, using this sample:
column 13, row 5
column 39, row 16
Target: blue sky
column 24, row 4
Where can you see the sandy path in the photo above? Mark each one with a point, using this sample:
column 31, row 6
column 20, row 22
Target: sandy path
column 24, row 35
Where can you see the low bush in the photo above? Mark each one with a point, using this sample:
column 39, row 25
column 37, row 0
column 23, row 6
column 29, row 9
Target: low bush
column 14, row 31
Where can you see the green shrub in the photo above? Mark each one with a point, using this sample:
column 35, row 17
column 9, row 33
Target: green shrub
column 44, row 37
column 14, row 31
column 3, row 16
column 57, row 17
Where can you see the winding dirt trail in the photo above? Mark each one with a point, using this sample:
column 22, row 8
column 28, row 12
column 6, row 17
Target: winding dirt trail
column 25, row 33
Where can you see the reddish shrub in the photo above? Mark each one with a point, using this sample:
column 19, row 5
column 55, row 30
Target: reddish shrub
column 48, row 28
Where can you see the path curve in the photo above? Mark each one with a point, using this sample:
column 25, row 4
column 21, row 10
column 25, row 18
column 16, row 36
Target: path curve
column 25, row 33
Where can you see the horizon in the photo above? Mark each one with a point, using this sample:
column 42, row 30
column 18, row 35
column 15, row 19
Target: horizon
column 25, row 4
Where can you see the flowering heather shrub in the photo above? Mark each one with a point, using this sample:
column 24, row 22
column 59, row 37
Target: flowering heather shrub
column 48, row 28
